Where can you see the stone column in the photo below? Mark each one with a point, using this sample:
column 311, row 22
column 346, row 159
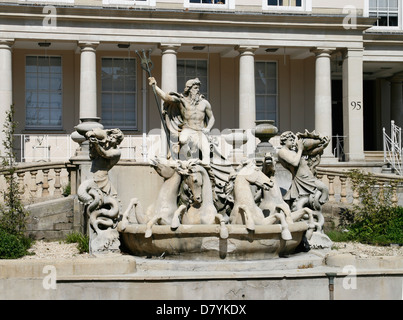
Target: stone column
column 88, row 80
column 247, row 94
column 6, row 85
column 323, row 99
column 353, row 115
column 396, row 100
column 169, row 81
column 88, row 97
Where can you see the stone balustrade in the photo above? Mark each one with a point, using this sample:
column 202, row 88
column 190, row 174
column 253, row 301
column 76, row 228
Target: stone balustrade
column 341, row 190
column 42, row 180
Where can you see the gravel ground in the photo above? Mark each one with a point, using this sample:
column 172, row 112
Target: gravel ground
column 54, row 250
column 61, row 250
column 364, row 251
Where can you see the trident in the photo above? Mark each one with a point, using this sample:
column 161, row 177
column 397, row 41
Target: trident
column 147, row 65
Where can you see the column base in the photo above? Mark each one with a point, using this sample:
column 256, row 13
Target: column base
column 328, row 159
column 355, row 157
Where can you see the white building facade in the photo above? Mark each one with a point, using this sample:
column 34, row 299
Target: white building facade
column 331, row 66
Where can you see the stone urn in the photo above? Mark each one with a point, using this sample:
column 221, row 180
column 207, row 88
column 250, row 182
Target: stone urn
column 265, row 130
column 236, row 138
column 87, row 124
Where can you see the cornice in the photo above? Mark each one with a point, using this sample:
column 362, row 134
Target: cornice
column 383, row 38
column 181, row 17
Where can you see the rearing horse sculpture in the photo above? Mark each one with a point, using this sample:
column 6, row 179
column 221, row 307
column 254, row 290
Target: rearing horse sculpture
column 201, row 208
column 164, row 210
column 245, row 209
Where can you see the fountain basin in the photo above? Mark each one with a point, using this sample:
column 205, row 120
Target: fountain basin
column 203, row 242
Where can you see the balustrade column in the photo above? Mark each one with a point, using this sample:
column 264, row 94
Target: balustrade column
column 381, row 186
column 343, row 192
column 6, row 86
column 21, row 186
column 247, row 94
column 323, row 99
column 395, row 198
column 33, row 188
column 356, row 196
column 331, row 178
column 45, row 184
column 169, row 81
column 57, row 185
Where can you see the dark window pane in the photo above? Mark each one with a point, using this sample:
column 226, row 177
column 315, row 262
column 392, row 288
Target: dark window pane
column 118, row 92
column 43, row 91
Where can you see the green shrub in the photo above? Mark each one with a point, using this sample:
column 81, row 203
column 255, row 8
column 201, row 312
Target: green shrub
column 13, row 215
column 67, row 190
column 13, row 246
column 375, row 220
column 83, row 241
column 338, row 236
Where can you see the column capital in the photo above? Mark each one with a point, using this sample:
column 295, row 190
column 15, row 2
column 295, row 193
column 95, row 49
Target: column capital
column 246, row 50
column 323, row 51
column 88, row 45
column 352, row 52
column 169, row 47
column 396, row 78
column 6, row 43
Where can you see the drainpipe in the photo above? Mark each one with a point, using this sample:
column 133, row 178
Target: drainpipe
column 331, row 277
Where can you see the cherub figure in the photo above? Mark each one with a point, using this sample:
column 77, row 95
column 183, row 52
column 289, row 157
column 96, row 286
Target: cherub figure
column 104, row 153
column 300, row 155
column 98, row 194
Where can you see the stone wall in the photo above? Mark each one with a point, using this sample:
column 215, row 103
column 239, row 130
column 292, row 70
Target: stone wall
column 54, row 219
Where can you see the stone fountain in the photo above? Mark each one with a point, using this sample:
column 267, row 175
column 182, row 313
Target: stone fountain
column 207, row 207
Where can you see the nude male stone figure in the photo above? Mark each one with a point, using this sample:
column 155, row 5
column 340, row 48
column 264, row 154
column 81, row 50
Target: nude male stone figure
column 191, row 116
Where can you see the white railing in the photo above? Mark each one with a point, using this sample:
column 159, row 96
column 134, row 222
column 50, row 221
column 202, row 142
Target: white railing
column 60, row 147
column 44, row 147
column 392, row 148
column 338, row 150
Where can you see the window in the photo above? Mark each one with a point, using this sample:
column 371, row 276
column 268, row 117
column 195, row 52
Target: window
column 118, row 95
column 51, row 1
column 43, row 92
column 208, row 1
column 266, row 90
column 287, row 5
column 191, row 69
column 386, row 10
column 151, row 3
column 210, row 4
